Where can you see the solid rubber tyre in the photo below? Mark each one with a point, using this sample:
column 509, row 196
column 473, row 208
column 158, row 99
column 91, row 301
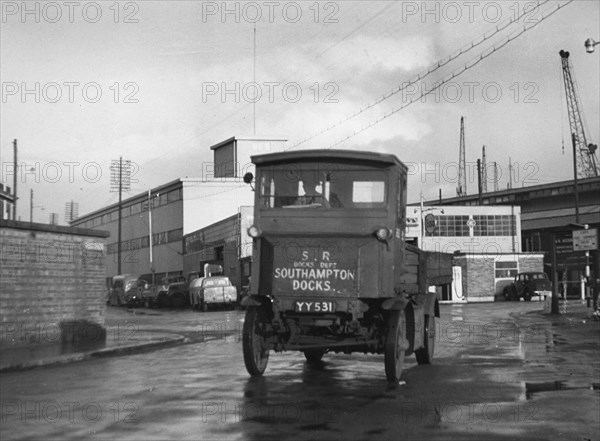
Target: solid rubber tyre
column 395, row 345
column 256, row 355
column 425, row 354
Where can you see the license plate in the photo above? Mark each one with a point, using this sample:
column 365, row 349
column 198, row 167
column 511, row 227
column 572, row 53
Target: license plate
column 320, row 306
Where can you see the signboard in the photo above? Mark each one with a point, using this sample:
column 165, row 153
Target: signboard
column 412, row 226
column 301, row 267
column 430, row 223
column 585, row 240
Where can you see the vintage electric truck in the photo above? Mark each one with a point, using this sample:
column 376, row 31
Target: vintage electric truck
column 331, row 269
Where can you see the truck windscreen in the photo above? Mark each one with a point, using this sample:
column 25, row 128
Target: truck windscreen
column 315, row 186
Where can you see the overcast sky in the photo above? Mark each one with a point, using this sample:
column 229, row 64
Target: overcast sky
column 158, row 83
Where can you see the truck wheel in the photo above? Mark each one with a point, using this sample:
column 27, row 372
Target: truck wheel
column 527, row 295
column 256, row 355
column 314, row 355
column 425, row 354
column 395, row 345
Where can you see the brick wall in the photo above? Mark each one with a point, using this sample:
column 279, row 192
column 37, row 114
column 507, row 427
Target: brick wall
column 52, row 285
column 477, row 277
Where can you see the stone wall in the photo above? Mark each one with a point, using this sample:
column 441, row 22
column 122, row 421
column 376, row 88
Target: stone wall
column 52, row 284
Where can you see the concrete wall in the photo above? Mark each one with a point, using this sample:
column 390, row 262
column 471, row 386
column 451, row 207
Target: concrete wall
column 210, row 201
column 52, row 286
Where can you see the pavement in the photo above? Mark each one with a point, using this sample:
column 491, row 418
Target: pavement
column 119, row 341
column 574, row 314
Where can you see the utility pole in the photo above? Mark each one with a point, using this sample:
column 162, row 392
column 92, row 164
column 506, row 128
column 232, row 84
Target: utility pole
column 575, row 183
column 14, row 208
column 120, row 217
column 483, row 170
column 31, row 206
column 117, row 176
column 554, row 304
column 495, row 176
column 150, row 233
column 461, row 190
column 479, row 187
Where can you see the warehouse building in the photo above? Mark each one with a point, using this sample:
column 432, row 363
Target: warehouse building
column 486, row 242
column 173, row 210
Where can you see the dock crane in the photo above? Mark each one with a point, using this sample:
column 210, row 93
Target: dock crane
column 587, row 163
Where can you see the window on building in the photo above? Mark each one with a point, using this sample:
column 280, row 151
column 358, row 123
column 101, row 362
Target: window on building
column 174, row 195
column 450, row 226
column 145, row 242
column 220, row 253
column 175, row 235
column 163, row 199
column 506, row 269
column 495, row 225
column 136, row 208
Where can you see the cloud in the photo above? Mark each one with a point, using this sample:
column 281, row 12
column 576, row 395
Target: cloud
column 372, row 54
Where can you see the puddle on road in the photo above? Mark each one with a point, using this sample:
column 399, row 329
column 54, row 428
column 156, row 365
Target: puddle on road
column 550, row 386
column 531, row 388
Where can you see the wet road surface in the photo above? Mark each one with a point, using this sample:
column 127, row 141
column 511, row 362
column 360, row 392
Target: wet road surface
column 501, row 371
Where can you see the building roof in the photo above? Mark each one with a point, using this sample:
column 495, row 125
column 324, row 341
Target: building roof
column 172, row 185
column 522, row 193
column 246, row 138
column 332, row 154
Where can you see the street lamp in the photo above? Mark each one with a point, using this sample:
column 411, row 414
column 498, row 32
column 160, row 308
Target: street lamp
column 590, row 44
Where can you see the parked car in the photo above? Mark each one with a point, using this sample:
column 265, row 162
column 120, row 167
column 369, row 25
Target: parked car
column 173, row 292
column 216, row 290
column 126, row 290
column 526, row 285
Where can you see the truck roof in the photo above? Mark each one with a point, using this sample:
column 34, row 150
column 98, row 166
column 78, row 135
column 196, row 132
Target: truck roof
column 383, row 159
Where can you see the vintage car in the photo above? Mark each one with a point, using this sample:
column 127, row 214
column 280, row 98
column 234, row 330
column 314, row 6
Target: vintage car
column 216, row 290
column 526, row 285
column 173, row 292
column 126, row 289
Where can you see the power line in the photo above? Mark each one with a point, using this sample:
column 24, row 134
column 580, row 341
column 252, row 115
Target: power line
column 456, row 73
column 196, row 137
column 441, row 63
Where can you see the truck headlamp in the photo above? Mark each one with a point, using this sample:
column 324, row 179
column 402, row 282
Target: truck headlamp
column 383, row 234
column 254, row 231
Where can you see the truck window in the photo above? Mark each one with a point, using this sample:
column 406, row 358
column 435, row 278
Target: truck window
column 316, row 186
